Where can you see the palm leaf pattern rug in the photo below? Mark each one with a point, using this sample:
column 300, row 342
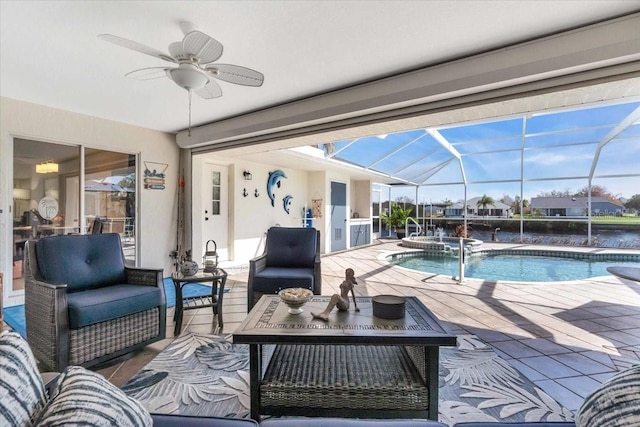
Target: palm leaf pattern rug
column 208, row 375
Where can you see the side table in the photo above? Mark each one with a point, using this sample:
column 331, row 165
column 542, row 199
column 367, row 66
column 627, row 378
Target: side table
column 217, row 278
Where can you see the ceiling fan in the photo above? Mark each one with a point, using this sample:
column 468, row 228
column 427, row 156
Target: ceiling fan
column 195, row 70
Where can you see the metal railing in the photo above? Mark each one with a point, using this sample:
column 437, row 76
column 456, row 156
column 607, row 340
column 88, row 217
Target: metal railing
column 418, row 229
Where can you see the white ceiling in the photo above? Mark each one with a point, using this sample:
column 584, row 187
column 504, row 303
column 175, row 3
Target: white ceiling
column 50, row 53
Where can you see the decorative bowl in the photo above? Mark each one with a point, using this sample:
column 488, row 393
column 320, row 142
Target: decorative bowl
column 189, row 268
column 295, row 298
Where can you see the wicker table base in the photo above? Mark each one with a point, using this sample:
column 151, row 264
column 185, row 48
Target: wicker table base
column 345, row 380
column 353, row 365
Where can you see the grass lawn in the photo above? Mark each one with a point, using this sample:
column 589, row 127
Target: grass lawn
column 626, row 220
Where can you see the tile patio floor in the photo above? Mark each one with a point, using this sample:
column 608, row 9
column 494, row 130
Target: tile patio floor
column 567, row 337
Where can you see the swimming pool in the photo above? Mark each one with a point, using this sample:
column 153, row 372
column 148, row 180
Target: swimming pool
column 514, row 265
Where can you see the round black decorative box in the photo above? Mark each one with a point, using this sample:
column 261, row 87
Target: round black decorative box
column 388, row 306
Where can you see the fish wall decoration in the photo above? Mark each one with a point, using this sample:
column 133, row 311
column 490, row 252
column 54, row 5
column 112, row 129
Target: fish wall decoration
column 273, row 181
column 287, row 203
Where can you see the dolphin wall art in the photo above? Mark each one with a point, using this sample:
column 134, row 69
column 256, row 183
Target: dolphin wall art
column 274, row 180
column 287, row 203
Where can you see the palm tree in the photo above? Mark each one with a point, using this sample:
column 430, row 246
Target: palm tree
column 515, row 206
column 485, row 201
column 397, row 218
column 447, row 204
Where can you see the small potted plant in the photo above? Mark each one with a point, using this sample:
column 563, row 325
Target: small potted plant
column 396, row 219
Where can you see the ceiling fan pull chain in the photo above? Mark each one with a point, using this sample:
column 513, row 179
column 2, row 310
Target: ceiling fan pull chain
column 189, row 90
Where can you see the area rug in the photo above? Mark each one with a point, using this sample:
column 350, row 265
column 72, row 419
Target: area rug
column 208, row 375
column 14, row 316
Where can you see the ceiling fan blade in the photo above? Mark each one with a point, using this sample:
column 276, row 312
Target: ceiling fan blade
column 236, row 74
column 210, row 90
column 205, row 48
column 176, row 50
column 130, row 44
column 150, row 73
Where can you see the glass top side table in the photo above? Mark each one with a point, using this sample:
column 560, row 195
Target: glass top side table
column 217, row 278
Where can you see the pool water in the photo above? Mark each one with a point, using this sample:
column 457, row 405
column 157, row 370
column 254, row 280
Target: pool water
column 521, row 268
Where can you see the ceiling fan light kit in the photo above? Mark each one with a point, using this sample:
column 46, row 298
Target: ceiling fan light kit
column 188, row 77
column 195, row 72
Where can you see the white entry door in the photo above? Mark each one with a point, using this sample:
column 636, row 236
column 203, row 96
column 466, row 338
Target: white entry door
column 215, row 210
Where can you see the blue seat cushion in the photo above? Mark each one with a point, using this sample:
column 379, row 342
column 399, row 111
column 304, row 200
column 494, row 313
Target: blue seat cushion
column 291, row 247
column 81, row 261
column 111, row 302
column 272, row 279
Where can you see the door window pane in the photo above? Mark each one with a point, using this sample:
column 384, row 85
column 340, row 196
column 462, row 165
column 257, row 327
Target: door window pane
column 215, row 193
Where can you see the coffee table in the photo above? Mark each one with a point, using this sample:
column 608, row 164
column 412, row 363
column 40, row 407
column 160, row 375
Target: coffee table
column 354, row 365
column 217, row 278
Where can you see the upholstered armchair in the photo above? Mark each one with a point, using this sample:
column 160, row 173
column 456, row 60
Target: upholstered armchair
column 291, row 260
column 83, row 306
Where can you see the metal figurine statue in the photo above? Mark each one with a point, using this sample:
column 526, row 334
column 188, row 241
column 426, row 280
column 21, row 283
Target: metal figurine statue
column 342, row 300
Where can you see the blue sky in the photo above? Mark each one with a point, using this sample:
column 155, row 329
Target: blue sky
column 558, row 148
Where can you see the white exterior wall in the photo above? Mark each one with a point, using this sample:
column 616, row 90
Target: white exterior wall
column 156, row 208
column 252, row 216
column 318, row 190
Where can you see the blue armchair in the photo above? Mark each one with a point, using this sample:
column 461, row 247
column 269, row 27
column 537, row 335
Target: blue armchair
column 291, row 260
column 83, row 306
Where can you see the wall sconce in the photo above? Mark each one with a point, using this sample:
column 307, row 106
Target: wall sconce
column 247, row 175
column 47, row 167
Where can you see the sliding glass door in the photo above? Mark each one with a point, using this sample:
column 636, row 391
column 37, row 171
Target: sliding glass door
column 48, row 198
column 110, row 196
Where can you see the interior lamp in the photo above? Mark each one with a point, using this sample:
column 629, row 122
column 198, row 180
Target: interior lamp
column 47, row 167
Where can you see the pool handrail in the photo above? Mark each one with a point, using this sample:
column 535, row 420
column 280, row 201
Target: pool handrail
column 418, row 230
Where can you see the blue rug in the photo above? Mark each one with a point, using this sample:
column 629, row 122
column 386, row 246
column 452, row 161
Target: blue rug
column 14, row 316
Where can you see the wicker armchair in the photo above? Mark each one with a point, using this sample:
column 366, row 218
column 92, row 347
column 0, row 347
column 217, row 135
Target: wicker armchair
column 83, row 306
column 291, row 260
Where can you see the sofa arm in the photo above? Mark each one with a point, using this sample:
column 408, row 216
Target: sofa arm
column 256, row 265
column 144, row 276
column 46, row 315
column 47, row 322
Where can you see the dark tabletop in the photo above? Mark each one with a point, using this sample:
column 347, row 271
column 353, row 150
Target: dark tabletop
column 270, row 322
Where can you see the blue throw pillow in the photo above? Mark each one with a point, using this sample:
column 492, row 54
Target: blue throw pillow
column 22, row 394
column 85, row 398
column 616, row 403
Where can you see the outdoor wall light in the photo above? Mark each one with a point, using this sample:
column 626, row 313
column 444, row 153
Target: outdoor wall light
column 247, row 175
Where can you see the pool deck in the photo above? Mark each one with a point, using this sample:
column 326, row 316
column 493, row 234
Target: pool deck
column 567, row 337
